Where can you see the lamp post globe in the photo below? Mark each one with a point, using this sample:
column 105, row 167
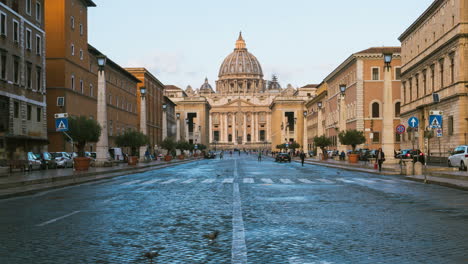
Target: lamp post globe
column 342, row 89
column 142, row 91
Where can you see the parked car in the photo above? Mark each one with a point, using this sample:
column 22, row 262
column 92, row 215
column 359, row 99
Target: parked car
column 63, row 159
column 283, row 157
column 415, row 154
column 48, row 162
column 210, row 155
column 459, row 158
column 34, row 163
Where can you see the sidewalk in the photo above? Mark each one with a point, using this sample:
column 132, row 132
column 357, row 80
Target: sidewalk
column 30, row 182
column 449, row 177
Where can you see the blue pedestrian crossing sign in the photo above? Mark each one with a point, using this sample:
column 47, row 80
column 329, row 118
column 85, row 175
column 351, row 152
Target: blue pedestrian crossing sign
column 435, row 121
column 413, row 122
column 61, row 124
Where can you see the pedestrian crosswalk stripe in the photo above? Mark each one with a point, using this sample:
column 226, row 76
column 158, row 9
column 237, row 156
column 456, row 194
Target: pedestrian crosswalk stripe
column 364, row 180
column 248, row 180
column 189, row 181
column 169, row 181
column 209, row 181
column 305, row 181
column 344, row 180
column 228, row 180
column 131, row 182
column 267, row 180
column 286, row 181
column 151, row 182
column 325, row 181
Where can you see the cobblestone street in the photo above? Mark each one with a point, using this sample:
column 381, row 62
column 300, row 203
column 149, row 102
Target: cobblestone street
column 265, row 212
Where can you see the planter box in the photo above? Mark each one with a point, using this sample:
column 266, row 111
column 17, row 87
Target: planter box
column 132, row 160
column 353, row 158
column 167, row 158
column 81, row 163
column 181, row 157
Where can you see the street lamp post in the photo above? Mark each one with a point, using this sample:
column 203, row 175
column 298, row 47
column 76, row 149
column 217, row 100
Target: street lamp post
column 305, row 146
column 342, row 105
column 388, row 141
column 143, row 127
column 102, row 146
column 164, row 117
column 186, row 129
column 178, row 127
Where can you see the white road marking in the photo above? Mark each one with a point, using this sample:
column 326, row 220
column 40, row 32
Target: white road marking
column 209, row 181
column 239, row 248
column 249, row 180
column 131, row 182
column 169, row 181
column 58, row 218
column 344, row 180
column 286, row 181
column 151, row 182
column 189, row 181
column 267, row 181
column 305, row 181
column 228, row 180
column 387, row 181
column 364, row 180
column 325, row 181
column 109, row 200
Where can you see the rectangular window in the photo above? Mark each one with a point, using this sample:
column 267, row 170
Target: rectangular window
column 39, row 114
column 15, row 31
column 81, row 54
column 452, row 70
column 38, row 11
column 16, row 70
column 450, row 125
column 81, row 86
column 216, row 135
column 72, row 49
column 410, row 90
column 3, row 24
column 91, row 91
column 433, row 77
column 424, row 82
column 397, row 73
column 404, row 92
column 3, row 67
column 416, row 79
column 28, row 7
column 16, row 110
column 29, row 112
column 29, row 76
column 376, row 138
column 397, row 137
column 28, row 39
column 375, row 74
column 81, row 29
column 441, row 65
column 73, row 83
column 38, row 45
column 39, row 79
column 72, row 22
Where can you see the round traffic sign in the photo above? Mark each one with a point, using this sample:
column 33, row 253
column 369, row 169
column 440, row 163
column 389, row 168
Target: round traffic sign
column 400, row 129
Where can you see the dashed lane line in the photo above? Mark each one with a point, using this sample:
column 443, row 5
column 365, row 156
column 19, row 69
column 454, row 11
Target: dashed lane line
column 344, row 180
column 325, row 181
column 286, row 181
column 239, row 248
column 267, row 180
column 365, row 181
column 58, row 218
column 169, row 181
column 228, row 180
column 151, row 182
column 249, row 180
column 209, row 181
column 131, row 182
column 305, row 181
column 189, row 181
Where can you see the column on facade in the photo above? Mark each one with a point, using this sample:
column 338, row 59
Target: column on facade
column 319, row 123
column 102, row 146
column 256, row 127
column 268, row 127
column 178, row 129
column 226, row 132
column 210, row 128
column 252, row 127
column 388, row 139
column 234, row 138
column 244, row 125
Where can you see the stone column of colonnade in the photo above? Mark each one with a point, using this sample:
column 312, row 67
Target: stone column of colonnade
column 256, row 127
column 244, row 124
column 210, row 128
column 268, row 131
column 225, row 127
column 234, row 129
column 252, row 132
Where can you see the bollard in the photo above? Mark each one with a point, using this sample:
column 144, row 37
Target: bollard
column 409, row 167
column 418, row 168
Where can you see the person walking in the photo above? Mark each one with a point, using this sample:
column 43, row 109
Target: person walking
column 380, row 158
column 259, row 156
column 302, row 156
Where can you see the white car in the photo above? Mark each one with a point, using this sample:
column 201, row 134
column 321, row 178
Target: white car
column 63, row 159
column 459, row 157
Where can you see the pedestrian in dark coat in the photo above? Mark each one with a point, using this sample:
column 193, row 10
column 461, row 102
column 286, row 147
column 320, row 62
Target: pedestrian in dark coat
column 380, row 158
column 302, row 156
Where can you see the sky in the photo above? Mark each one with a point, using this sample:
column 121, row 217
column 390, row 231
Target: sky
column 301, row 41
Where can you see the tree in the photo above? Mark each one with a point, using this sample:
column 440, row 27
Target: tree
column 201, row 147
column 322, row 142
column 281, row 147
column 294, row 146
column 169, row 144
column 182, row 145
column 133, row 139
column 352, row 138
column 83, row 130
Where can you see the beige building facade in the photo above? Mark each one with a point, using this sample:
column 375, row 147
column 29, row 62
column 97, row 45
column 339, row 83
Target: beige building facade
column 435, row 76
column 361, row 104
column 245, row 111
column 315, row 116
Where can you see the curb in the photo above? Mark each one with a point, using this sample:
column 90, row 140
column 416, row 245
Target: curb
column 78, row 179
column 351, row 168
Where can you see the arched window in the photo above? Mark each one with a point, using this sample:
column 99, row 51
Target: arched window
column 375, row 110
column 397, row 109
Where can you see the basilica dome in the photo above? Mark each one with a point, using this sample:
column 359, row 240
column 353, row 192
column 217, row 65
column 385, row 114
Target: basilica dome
column 206, row 87
column 240, row 62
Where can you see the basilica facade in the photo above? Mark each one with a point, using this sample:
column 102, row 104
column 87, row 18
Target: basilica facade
column 244, row 111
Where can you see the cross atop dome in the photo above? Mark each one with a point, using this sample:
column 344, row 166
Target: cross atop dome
column 240, row 43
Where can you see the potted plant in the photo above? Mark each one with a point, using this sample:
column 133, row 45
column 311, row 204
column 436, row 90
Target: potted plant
column 182, row 145
column 323, row 142
column 352, row 138
column 169, row 144
column 83, row 130
column 294, row 145
column 134, row 140
column 281, row 147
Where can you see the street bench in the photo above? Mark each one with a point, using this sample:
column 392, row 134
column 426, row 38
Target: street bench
column 17, row 164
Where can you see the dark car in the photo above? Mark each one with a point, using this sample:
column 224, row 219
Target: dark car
column 283, row 157
column 414, row 154
column 210, row 155
column 47, row 160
